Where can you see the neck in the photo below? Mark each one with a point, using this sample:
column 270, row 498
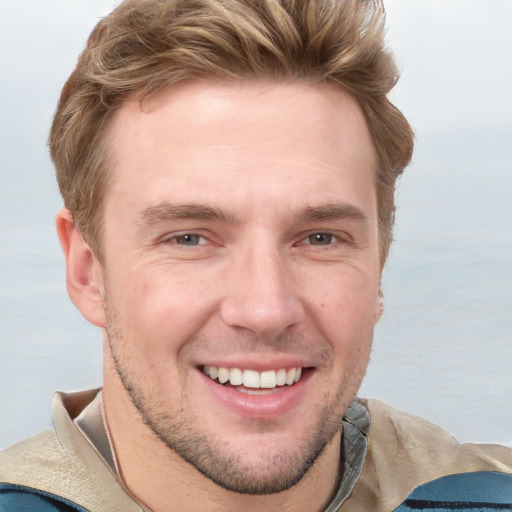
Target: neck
column 160, row 480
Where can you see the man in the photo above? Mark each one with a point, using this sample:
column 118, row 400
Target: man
column 228, row 170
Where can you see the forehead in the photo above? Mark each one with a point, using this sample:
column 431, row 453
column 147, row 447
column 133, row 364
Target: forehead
column 199, row 137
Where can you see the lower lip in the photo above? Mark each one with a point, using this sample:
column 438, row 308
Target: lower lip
column 269, row 406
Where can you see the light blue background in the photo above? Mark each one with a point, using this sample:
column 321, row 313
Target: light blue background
column 444, row 347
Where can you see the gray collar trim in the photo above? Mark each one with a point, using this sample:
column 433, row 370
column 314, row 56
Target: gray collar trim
column 356, row 427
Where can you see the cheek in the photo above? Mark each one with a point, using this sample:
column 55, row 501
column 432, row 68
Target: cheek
column 345, row 313
column 160, row 308
column 348, row 299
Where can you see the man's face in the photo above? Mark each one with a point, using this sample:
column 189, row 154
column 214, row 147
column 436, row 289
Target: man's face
column 241, row 243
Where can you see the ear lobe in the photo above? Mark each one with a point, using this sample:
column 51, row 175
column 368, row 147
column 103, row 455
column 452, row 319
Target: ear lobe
column 83, row 271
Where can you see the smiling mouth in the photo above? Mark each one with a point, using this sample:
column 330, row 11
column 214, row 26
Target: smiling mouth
column 248, row 381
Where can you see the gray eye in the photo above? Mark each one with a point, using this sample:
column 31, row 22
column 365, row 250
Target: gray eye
column 320, row 239
column 187, row 239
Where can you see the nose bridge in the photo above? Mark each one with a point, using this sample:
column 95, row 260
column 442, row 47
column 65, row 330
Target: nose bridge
column 261, row 294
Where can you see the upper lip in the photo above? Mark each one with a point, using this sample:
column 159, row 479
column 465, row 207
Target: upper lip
column 261, row 363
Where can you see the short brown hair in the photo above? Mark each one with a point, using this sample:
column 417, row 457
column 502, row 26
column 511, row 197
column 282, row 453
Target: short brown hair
column 145, row 46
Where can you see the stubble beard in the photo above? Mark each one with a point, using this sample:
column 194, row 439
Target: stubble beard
column 277, row 469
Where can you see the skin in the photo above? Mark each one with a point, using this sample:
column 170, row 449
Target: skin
column 240, row 230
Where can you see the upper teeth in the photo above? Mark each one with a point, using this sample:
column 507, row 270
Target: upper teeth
column 253, row 378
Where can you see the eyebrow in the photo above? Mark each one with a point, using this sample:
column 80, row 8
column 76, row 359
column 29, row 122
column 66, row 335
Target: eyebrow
column 165, row 212
column 334, row 211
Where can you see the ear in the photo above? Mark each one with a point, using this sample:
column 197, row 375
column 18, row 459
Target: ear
column 379, row 309
column 84, row 276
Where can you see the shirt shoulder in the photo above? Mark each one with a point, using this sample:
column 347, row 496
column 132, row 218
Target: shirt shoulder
column 22, row 461
column 406, row 452
column 479, row 491
column 15, row 498
column 28, row 465
column 59, row 467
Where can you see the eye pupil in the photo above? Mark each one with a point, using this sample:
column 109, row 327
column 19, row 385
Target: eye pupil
column 320, row 239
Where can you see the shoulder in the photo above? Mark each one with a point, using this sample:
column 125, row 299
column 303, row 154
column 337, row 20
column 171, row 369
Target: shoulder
column 415, row 441
column 23, row 462
column 60, row 468
column 406, row 452
column 21, row 467
column 482, row 490
column 15, row 498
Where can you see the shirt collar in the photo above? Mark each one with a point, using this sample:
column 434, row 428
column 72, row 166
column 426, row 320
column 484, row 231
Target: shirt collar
column 356, row 427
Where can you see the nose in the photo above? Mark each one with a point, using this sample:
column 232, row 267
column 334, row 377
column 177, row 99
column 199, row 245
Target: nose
column 260, row 296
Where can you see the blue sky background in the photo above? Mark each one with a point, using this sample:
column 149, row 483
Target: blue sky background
column 444, row 347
